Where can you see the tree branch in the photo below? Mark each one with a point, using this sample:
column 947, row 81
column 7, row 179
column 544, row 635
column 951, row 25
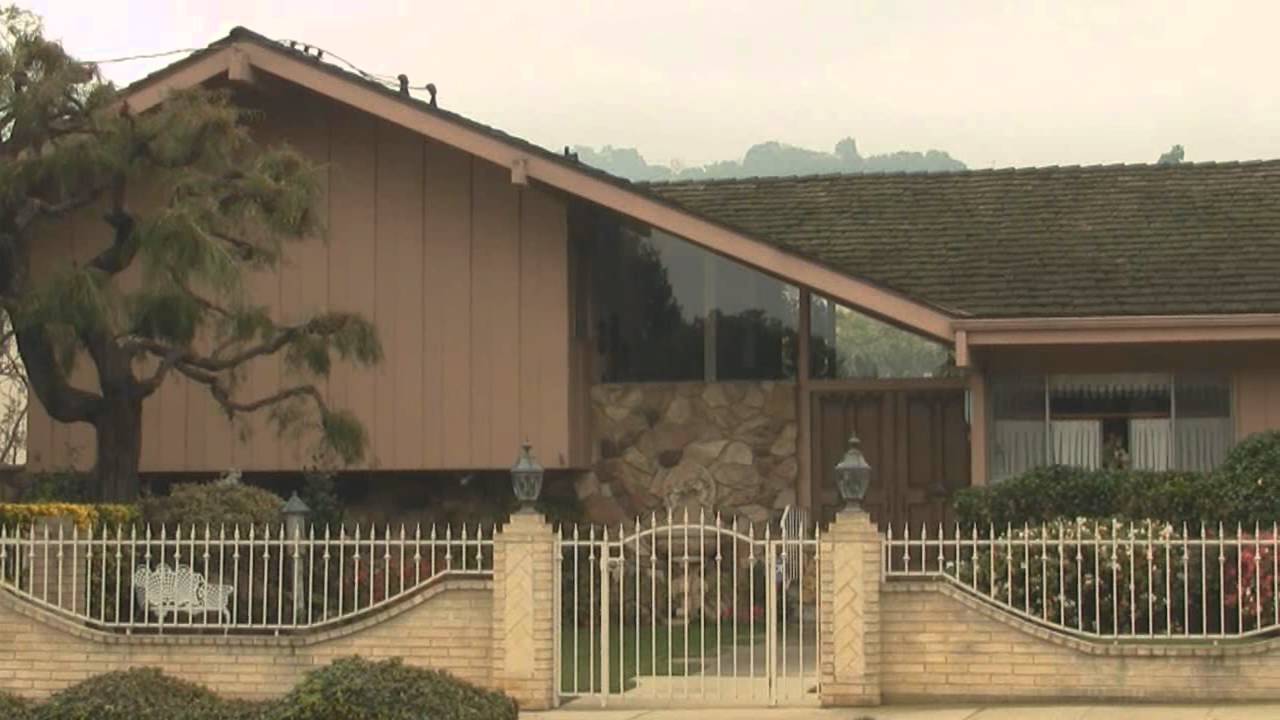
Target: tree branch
column 61, row 400
column 222, row 395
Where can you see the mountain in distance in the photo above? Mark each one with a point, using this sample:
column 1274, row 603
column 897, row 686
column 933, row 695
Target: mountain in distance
column 768, row 159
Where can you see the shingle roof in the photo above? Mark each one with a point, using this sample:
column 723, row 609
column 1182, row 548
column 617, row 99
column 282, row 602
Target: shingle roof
column 1055, row 241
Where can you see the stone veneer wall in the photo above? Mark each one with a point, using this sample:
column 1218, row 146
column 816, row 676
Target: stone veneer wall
column 727, row 446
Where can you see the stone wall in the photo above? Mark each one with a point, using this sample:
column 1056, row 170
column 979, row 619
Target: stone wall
column 727, row 446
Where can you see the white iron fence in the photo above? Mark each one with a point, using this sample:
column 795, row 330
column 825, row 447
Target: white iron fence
column 1109, row 579
column 252, row 579
column 690, row 609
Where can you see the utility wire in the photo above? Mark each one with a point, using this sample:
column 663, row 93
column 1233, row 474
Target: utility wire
column 387, row 80
column 147, row 56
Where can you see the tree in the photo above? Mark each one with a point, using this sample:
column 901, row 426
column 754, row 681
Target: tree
column 13, row 400
column 165, row 294
column 1173, row 157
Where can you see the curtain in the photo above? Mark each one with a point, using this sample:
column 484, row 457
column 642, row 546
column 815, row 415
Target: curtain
column 1017, row 446
column 1203, row 442
column 1149, row 443
column 1077, row 442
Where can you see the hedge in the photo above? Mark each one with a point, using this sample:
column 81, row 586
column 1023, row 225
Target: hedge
column 359, row 689
column 13, row 707
column 213, row 504
column 139, row 694
column 85, row 516
column 349, row 689
column 1244, row 490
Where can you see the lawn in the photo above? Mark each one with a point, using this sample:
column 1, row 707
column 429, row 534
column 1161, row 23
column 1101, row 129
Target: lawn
column 669, row 660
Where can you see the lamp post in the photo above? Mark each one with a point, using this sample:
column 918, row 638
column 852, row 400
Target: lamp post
column 526, row 478
column 853, row 474
column 295, row 513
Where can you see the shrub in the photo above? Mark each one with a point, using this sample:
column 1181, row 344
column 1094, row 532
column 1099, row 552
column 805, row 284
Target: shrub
column 141, row 694
column 359, row 689
column 214, row 504
column 84, row 516
column 1245, row 490
column 1055, row 492
column 13, row 707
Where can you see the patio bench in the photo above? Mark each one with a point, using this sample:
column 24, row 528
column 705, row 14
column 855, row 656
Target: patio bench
column 165, row 590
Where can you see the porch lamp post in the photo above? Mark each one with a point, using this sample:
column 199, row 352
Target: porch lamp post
column 853, row 474
column 295, row 513
column 526, row 478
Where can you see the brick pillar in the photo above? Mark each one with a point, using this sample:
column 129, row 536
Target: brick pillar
column 850, row 622
column 57, row 572
column 523, row 621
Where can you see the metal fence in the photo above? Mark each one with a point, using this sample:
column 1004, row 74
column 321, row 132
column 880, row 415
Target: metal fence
column 248, row 580
column 1109, row 579
column 691, row 608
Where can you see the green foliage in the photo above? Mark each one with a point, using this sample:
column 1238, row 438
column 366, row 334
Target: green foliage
column 1173, row 157
column 1245, row 490
column 320, row 493
column 217, row 208
column 139, row 694
column 768, row 159
column 359, row 689
column 61, row 485
column 21, row 515
column 13, row 707
column 213, row 504
column 345, row 434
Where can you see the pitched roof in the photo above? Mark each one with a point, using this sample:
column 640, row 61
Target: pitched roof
column 1055, row 241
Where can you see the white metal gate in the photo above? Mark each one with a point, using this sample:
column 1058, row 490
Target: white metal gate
column 688, row 609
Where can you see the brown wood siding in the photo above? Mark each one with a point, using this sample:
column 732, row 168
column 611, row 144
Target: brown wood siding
column 464, row 273
column 1257, row 399
column 915, row 439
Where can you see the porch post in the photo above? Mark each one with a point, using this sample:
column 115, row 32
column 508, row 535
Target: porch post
column 850, row 618
column 523, row 610
column 978, row 443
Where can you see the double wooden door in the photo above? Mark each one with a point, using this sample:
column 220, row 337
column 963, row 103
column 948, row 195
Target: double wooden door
column 915, row 436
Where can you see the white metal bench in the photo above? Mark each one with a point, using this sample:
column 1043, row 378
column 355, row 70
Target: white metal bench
column 165, row 590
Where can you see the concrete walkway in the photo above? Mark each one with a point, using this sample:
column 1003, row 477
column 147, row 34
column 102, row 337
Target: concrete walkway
column 950, row 712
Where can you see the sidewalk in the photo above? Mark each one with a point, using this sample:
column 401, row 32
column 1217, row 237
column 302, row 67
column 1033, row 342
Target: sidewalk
column 951, row 712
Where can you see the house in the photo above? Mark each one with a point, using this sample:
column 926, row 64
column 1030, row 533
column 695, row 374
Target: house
column 714, row 344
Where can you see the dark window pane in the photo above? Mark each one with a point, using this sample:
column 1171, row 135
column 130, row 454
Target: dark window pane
column 665, row 309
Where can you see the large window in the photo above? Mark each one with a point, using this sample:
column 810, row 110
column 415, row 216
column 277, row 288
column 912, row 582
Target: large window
column 1144, row 421
column 848, row 344
column 665, row 309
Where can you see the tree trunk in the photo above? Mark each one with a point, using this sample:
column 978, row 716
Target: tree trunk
column 119, row 431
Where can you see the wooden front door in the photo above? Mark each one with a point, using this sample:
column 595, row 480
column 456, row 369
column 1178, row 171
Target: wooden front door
column 915, row 437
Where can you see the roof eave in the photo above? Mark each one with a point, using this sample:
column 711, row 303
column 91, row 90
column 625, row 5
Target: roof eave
column 1118, row 329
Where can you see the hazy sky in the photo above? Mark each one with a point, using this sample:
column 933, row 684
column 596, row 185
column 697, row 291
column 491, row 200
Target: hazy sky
column 993, row 83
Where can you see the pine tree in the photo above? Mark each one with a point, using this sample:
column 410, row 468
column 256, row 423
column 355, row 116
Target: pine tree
column 165, row 294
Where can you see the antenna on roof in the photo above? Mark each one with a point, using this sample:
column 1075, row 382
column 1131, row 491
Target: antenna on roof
column 404, row 83
column 431, row 89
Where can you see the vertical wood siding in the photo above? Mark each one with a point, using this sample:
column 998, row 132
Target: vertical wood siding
column 464, row 274
column 1257, row 398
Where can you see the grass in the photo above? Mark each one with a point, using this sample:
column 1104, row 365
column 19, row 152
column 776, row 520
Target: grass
column 585, row 666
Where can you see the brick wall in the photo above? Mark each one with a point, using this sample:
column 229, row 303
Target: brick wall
column 446, row 627
column 939, row 643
